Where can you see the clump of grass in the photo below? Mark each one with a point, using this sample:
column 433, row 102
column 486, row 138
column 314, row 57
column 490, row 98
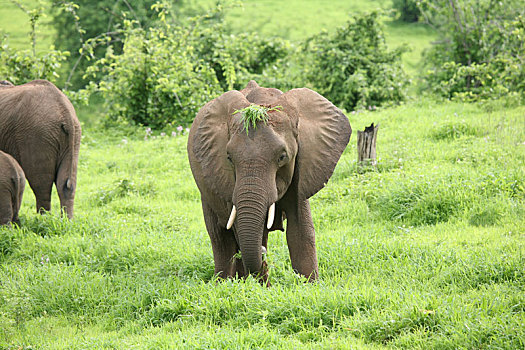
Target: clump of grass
column 123, row 188
column 254, row 113
column 454, row 130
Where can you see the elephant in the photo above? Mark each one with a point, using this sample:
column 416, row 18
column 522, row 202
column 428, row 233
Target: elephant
column 251, row 178
column 40, row 129
column 12, row 184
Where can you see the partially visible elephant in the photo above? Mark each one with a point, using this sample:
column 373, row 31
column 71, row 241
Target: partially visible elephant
column 40, row 129
column 251, row 180
column 12, row 184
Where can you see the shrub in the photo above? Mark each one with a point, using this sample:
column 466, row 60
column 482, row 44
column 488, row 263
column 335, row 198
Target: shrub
column 408, row 10
column 481, row 53
column 353, row 67
column 21, row 66
column 238, row 58
column 167, row 72
column 81, row 20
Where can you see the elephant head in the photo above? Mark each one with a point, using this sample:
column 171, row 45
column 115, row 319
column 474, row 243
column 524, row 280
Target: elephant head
column 253, row 176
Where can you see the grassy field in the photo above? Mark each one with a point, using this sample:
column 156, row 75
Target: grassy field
column 427, row 251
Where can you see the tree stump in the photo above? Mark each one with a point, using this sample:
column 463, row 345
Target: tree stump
column 366, row 145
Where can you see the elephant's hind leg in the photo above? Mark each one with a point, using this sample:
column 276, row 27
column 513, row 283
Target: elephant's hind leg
column 223, row 244
column 66, row 190
column 42, row 187
column 6, row 208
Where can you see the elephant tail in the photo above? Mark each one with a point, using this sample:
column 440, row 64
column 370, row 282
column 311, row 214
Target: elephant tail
column 71, row 127
column 66, row 179
column 73, row 133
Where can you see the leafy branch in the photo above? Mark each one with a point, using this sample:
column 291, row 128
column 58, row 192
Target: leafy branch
column 34, row 16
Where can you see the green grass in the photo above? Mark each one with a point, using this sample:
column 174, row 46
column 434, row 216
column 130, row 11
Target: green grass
column 426, row 251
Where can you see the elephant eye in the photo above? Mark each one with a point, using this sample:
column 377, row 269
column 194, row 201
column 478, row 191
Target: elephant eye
column 283, row 157
column 229, row 158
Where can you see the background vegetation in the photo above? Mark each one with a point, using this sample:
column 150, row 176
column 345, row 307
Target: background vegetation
column 424, row 251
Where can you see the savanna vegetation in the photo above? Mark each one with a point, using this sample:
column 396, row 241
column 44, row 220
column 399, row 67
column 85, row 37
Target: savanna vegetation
column 424, row 250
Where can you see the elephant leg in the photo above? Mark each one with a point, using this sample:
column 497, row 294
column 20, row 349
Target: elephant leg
column 6, row 207
column 223, row 244
column 300, row 236
column 42, row 189
column 66, row 193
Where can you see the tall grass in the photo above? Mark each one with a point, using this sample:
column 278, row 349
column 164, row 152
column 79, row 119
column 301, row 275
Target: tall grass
column 426, row 250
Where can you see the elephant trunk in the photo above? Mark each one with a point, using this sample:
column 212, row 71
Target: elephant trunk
column 252, row 204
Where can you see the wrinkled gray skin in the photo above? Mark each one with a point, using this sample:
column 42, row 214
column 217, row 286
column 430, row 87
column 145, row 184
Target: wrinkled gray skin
column 39, row 128
column 12, row 184
column 284, row 162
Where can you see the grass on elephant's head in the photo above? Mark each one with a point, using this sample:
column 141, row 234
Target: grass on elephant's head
column 253, row 114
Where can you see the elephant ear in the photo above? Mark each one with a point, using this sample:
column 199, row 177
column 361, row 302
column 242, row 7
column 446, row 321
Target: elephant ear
column 323, row 133
column 210, row 139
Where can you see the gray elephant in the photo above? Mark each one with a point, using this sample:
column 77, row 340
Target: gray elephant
column 252, row 178
column 39, row 128
column 12, row 184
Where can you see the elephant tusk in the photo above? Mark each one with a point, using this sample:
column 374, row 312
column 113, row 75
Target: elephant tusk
column 232, row 218
column 263, row 250
column 271, row 216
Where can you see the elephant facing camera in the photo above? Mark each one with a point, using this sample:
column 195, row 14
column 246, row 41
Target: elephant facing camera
column 257, row 155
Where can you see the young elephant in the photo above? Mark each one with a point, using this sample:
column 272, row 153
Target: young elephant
column 12, row 184
column 39, row 128
column 264, row 173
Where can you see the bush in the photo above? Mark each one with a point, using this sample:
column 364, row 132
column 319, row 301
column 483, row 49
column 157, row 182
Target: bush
column 81, row 20
column 407, row 10
column 481, row 53
column 353, row 67
column 22, row 66
column 237, row 58
column 167, row 72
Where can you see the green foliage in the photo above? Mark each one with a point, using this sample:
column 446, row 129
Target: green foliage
column 480, row 55
column 156, row 81
column 238, row 58
column 255, row 113
column 75, row 22
column 167, row 72
column 21, row 66
column 407, row 10
column 353, row 67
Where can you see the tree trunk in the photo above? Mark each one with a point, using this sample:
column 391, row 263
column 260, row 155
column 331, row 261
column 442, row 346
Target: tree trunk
column 366, row 145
